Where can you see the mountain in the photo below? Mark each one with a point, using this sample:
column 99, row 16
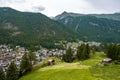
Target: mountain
column 66, row 14
column 115, row 16
column 25, row 28
column 92, row 27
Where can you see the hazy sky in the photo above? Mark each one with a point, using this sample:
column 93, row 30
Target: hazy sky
column 55, row 7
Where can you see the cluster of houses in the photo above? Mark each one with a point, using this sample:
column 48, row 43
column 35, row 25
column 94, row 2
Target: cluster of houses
column 46, row 53
column 8, row 54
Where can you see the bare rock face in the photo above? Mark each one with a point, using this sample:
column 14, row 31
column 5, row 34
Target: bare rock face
column 9, row 25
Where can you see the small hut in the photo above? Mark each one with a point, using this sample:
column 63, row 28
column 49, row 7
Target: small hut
column 51, row 61
column 107, row 60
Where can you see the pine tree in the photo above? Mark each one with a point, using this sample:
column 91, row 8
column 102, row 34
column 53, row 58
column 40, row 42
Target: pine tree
column 79, row 52
column 83, row 52
column 12, row 72
column 109, row 51
column 64, row 57
column 2, row 74
column 114, row 52
column 26, row 65
column 87, row 51
column 32, row 57
column 68, row 57
column 119, row 54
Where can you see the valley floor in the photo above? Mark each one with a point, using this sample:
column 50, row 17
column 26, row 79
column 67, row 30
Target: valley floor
column 82, row 70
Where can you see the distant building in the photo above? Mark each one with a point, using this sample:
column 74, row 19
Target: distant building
column 107, row 60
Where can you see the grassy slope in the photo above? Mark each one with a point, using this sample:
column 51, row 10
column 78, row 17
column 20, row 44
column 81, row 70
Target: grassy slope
column 63, row 71
column 83, row 70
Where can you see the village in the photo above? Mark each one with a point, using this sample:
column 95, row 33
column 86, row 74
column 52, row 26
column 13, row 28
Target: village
column 8, row 54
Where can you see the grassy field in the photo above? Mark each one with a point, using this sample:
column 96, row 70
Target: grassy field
column 82, row 70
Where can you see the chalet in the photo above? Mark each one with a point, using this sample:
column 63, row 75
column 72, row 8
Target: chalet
column 51, row 61
column 107, row 60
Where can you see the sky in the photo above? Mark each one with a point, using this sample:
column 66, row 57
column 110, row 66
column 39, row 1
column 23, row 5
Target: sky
column 55, row 7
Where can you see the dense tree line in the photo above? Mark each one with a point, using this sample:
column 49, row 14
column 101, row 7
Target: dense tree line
column 113, row 52
column 83, row 52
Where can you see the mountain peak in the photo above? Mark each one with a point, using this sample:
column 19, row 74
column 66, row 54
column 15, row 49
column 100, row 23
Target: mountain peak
column 65, row 12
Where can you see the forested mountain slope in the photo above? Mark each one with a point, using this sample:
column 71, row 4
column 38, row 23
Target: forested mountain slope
column 92, row 28
column 24, row 28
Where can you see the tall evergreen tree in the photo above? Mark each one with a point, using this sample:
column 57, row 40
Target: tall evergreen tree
column 118, row 58
column 2, row 74
column 80, row 52
column 87, row 51
column 113, row 52
column 109, row 53
column 26, row 65
column 83, row 52
column 32, row 57
column 12, row 72
column 68, row 57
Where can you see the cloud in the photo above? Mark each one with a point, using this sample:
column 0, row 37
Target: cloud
column 105, row 5
column 15, row 1
column 8, row 2
column 55, row 7
column 38, row 8
column 23, row 5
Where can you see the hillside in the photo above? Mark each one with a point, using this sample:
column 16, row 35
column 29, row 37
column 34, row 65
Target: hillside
column 115, row 16
column 25, row 29
column 92, row 28
column 82, row 70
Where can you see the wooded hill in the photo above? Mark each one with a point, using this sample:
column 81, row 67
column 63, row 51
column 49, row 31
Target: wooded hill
column 25, row 29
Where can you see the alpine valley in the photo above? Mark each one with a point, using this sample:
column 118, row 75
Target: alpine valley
column 70, row 46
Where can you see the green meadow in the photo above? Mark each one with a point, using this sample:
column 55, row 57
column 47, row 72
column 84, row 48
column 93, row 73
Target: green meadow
column 78, row 70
